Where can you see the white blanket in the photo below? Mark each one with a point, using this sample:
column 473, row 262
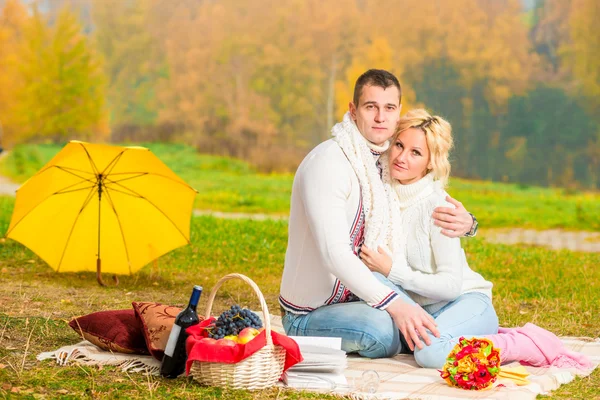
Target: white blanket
column 86, row 353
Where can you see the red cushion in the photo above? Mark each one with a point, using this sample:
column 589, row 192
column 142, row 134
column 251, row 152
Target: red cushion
column 156, row 321
column 115, row 330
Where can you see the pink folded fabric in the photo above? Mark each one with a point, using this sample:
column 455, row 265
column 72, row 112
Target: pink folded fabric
column 551, row 348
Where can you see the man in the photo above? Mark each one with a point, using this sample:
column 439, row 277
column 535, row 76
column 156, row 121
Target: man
column 339, row 203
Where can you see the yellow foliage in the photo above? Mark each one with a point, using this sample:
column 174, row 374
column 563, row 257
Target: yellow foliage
column 488, row 43
column 51, row 86
column 583, row 54
column 376, row 54
column 63, row 96
column 13, row 18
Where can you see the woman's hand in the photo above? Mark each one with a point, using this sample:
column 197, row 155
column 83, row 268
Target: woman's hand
column 377, row 261
column 412, row 321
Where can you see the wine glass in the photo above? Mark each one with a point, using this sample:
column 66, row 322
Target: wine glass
column 368, row 382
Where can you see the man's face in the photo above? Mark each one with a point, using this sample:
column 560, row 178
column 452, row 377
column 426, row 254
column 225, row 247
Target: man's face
column 377, row 113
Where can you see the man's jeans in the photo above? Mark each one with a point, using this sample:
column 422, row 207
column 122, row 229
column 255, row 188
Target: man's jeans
column 372, row 333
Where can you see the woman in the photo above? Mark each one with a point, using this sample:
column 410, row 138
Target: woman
column 431, row 269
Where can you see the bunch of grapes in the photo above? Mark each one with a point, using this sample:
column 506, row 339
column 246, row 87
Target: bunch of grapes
column 232, row 321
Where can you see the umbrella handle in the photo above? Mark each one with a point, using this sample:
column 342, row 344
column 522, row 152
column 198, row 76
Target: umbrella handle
column 99, row 274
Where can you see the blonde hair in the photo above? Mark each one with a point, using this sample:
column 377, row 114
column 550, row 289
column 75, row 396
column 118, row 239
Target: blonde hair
column 438, row 134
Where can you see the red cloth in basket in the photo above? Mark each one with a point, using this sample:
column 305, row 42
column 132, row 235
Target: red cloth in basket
column 211, row 352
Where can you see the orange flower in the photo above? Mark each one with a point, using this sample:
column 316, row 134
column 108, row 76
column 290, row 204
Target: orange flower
column 472, row 364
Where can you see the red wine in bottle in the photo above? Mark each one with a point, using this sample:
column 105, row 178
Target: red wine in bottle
column 173, row 362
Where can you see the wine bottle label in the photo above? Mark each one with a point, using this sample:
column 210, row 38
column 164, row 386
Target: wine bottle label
column 170, row 349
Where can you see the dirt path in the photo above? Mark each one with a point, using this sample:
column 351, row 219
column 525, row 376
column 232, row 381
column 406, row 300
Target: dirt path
column 230, row 215
column 7, row 188
column 554, row 239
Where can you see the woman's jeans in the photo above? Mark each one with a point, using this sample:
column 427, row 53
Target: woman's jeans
column 372, row 333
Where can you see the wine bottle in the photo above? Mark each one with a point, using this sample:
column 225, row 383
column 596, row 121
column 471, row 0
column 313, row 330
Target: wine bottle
column 173, row 362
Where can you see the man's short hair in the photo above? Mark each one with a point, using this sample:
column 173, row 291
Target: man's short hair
column 375, row 77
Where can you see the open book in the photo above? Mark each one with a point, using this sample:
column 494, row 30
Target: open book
column 323, row 365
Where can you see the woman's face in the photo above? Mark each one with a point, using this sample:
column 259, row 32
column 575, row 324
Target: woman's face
column 409, row 156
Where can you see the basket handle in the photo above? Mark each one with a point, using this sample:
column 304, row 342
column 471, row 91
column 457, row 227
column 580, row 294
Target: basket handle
column 263, row 303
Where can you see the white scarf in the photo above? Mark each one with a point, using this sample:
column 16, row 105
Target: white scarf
column 381, row 215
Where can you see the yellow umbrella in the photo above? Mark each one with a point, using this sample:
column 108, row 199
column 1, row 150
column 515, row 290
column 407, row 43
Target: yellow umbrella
column 101, row 207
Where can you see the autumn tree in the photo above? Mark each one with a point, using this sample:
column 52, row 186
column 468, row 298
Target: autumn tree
column 564, row 35
column 133, row 60
column 581, row 54
column 549, row 32
column 208, row 90
column 540, row 145
column 13, row 19
column 375, row 54
column 267, row 85
column 462, row 65
column 64, row 86
column 265, row 81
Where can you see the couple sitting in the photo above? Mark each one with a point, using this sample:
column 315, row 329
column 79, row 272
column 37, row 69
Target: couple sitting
column 374, row 253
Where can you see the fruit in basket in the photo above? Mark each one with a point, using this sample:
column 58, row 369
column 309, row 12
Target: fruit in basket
column 233, row 321
column 247, row 334
column 232, row 337
column 208, row 340
column 225, row 342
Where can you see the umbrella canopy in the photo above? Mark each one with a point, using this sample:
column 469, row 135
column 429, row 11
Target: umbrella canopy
column 98, row 206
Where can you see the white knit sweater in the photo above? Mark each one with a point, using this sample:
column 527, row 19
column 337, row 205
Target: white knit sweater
column 433, row 267
column 326, row 213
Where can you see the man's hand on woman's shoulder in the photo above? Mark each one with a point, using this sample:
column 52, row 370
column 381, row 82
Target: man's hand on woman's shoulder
column 455, row 222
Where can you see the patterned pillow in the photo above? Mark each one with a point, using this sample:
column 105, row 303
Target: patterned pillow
column 116, row 330
column 156, row 321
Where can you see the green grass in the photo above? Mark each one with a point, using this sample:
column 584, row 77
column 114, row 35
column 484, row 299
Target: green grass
column 226, row 184
column 515, row 205
column 558, row 290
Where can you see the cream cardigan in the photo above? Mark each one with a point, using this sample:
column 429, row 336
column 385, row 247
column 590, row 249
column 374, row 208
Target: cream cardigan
column 326, row 215
column 431, row 267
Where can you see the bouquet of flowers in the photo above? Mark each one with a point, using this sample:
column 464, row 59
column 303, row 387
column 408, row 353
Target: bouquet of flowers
column 473, row 364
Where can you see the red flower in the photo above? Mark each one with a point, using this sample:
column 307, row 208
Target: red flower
column 472, row 364
column 466, row 351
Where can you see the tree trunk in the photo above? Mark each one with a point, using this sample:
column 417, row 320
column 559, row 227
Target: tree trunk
column 331, row 95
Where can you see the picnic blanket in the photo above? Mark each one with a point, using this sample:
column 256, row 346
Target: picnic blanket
column 400, row 376
column 87, row 353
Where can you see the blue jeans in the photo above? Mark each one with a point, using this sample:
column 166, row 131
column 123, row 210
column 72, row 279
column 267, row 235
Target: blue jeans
column 364, row 330
column 372, row 333
column 471, row 314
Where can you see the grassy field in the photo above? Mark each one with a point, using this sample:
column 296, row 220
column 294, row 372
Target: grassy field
column 226, row 184
column 556, row 290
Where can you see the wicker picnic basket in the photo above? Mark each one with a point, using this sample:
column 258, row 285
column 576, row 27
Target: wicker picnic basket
column 259, row 371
